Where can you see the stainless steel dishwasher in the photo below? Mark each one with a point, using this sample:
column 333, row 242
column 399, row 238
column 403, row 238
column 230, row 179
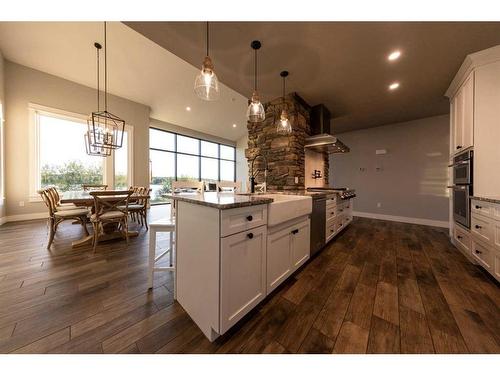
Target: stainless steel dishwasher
column 318, row 222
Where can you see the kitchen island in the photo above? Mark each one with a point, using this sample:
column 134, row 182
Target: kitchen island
column 232, row 250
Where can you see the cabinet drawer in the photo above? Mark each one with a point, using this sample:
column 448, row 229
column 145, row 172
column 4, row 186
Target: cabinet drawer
column 495, row 270
column 482, row 228
column 240, row 219
column 462, row 237
column 347, row 220
column 483, row 254
column 481, row 208
column 331, row 212
column 331, row 230
column 331, row 201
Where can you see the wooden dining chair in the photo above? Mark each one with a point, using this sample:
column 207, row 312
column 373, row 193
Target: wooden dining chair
column 94, row 187
column 229, row 186
column 57, row 198
column 111, row 207
column 138, row 206
column 57, row 217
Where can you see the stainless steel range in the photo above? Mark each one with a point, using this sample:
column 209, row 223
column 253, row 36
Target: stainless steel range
column 344, row 193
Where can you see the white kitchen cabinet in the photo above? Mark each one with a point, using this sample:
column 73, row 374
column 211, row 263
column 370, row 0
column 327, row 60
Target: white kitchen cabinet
column 462, row 115
column 300, row 247
column 462, row 239
column 288, row 247
column 243, row 275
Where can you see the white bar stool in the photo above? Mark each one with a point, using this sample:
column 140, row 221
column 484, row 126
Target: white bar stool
column 163, row 225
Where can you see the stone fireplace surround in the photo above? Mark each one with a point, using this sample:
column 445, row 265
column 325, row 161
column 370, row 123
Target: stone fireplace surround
column 284, row 153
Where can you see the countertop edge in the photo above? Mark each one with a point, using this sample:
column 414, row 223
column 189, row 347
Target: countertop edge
column 220, row 206
column 485, row 199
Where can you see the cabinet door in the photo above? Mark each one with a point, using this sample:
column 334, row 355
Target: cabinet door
column 243, row 275
column 457, row 104
column 468, row 112
column 279, row 258
column 301, row 244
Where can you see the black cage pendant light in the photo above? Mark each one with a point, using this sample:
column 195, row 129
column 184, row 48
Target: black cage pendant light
column 90, row 148
column 284, row 125
column 255, row 111
column 206, row 84
column 104, row 128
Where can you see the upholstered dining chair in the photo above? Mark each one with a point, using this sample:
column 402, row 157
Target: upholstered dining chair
column 57, row 217
column 94, row 187
column 229, row 186
column 110, row 207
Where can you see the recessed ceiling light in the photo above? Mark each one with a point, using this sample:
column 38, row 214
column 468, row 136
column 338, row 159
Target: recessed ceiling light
column 394, row 55
column 234, row 125
column 188, row 109
column 394, row 86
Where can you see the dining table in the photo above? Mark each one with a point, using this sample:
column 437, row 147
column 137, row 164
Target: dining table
column 84, row 199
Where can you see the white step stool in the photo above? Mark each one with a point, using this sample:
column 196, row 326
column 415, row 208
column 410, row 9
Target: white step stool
column 163, row 225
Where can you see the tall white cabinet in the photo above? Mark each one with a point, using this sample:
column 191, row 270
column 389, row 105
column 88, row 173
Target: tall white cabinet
column 475, row 122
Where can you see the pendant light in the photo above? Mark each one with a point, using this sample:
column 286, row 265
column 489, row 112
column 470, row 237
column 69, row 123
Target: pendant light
column 284, row 125
column 206, row 84
column 255, row 111
column 104, row 128
column 91, row 149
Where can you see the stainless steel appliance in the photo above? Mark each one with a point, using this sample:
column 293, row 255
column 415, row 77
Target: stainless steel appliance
column 462, row 168
column 462, row 186
column 321, row 139
column 318, row 220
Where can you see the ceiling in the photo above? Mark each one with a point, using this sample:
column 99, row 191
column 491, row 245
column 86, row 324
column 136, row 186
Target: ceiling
column 138, row 68
column 341, row 64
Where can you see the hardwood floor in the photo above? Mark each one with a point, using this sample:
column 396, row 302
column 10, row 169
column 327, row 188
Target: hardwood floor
column 381, row 287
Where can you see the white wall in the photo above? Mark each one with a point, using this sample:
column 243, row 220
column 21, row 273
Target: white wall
column 24, row 85
column 241, row 162
column 410, row 181
column 2, row 150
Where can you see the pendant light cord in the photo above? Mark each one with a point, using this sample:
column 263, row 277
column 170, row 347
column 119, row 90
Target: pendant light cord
column 98, row 88
column 208, row 38
column 105, row 70
column 284, row 78
column 255, row 72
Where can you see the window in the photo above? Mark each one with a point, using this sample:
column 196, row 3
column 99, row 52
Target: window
column 177, row 157
column 66, row 164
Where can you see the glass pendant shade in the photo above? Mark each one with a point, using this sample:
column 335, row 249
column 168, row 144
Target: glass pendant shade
column 106, row 130
column 255, row 111
column 206, row 84
column 284, row 125
column 94, row 150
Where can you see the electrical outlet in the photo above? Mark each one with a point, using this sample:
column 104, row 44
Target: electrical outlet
column 379, row 204
column 296, row 180
column 21, row 203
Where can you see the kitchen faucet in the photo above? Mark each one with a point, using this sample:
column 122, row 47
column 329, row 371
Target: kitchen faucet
column 252, row 175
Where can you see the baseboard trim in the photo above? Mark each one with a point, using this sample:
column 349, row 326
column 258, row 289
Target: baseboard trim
column 3, row 220
column 403, row 219
column 24, row 217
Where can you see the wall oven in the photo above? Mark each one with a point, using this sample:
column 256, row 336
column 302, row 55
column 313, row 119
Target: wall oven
column 462, row 187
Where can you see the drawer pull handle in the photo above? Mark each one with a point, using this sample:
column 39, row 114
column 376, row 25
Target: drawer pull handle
column 249, row 217
column 250, row 235
column 478, row 252
column 340, row 224
column 478, row 226
column 331, row 230
column 295, row 231
column 332, row 213
column 459, row 147
column 341, row 210
column 478, row 207
column 459, row 237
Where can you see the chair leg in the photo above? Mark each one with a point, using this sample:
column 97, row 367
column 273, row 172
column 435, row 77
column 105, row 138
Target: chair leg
column 126, row 230
column 84, row 225
column 52, row 232
column 96, row 235
column 171, row 254
column 151, row 260
column 145, row 219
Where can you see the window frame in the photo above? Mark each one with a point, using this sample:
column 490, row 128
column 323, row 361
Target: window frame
column 199, row 155
column 35, row 110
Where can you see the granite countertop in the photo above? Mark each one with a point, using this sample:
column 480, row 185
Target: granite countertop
column 312, row 194
column 222, row 201
column 491, row 199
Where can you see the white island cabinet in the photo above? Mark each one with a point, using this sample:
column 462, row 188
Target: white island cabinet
column 227, row 257
column 220, row 262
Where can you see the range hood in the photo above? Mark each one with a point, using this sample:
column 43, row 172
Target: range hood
column 322, row 139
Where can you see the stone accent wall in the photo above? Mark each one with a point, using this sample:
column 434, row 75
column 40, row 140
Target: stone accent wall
column 284, row 153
